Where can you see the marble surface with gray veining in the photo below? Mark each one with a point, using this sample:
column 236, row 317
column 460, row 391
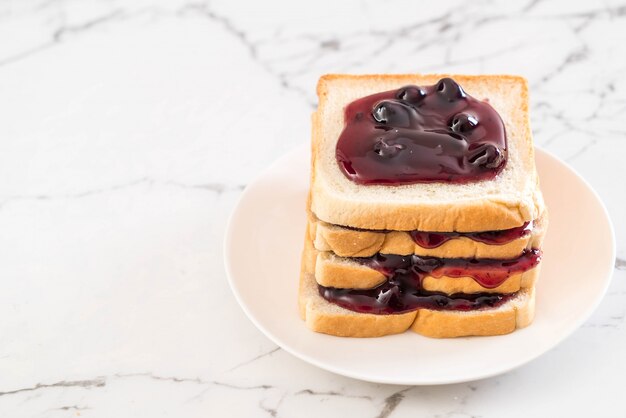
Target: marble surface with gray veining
column 128, row 130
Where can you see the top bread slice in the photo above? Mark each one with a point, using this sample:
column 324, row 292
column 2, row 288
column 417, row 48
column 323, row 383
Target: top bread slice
column 507, row 201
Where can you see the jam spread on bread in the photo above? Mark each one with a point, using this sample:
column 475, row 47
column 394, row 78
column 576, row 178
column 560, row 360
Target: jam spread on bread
column 421, row 134
column 403, row 291
column 436, row 239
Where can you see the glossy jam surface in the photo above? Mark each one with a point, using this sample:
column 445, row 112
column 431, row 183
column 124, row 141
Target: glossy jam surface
column 421, row 134
column 436, row 239
column 403, row 292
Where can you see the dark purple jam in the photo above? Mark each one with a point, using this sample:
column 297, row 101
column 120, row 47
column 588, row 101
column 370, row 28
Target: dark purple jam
column 421, row 134
column 403, row 291
column 435, row 239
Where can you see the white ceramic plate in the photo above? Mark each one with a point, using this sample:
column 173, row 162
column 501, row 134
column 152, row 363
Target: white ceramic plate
column 262, row 255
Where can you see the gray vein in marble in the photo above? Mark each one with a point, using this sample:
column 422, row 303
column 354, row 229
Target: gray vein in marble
column 568, row 126
column 578, row 55
column 331, row 393
column 239, row 387
column 331, row 44
column 391, row 403
column 91, row 383
column 273, row 412
column 25, row 54
column 73, row 408
column 174, row 379
column 531, row 5
column 620, row 263
column 582, row 150
column 381, row 40
column 584, row 23
column 195, row 380
column 203, row 9
column 78, row 195
column 218, row 188
column 477, row 58
column 101, row 381
column 389, row 36
column 449, row 27
column 603, row 94
column 245, row 363
column 553, row 137
column 59, row 36
column 60, row 33
column 612, row 12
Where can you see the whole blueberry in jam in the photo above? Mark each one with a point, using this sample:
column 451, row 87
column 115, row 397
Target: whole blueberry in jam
column 411, row 94
column 463, row 123
column 449, row 90
column 393, row 113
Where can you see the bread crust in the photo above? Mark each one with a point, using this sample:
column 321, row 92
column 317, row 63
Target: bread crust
column 346, row 242
column 477, row 213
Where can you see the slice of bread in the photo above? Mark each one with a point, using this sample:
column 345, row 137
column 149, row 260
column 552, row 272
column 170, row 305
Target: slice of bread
column 346, row 242
column 328, row 318
column 331, row 270
column 518, row 312
column 345, row 273
column 507, row 201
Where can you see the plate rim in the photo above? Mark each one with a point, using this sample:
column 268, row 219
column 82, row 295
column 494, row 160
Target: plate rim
column 227, row 245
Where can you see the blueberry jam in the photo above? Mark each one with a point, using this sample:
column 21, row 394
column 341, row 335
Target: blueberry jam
column 403, row 292
column 435, row 239
column 421, row 134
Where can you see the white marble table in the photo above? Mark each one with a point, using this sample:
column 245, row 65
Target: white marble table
column 129, row 129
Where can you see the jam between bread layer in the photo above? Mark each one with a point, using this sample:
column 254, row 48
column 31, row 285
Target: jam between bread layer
column 403, row 291
column 421, row 134
column 437, row 239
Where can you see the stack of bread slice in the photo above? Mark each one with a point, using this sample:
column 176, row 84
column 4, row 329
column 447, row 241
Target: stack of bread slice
column 354, row 229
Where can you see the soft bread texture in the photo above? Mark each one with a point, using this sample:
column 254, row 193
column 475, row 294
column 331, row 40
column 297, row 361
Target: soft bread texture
column 331, row 270
column 508, row 201
column 328, row 318
column 518, row 312
column 344, row 273
column 346, row 242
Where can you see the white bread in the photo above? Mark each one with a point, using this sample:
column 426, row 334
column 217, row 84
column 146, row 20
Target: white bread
column 346, row 242
column 345, row 273
column 508, row 201
column 328, row 318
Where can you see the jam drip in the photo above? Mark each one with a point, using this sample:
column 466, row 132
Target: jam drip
column 421, row 134
column 436, row 239
column 403, row 291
